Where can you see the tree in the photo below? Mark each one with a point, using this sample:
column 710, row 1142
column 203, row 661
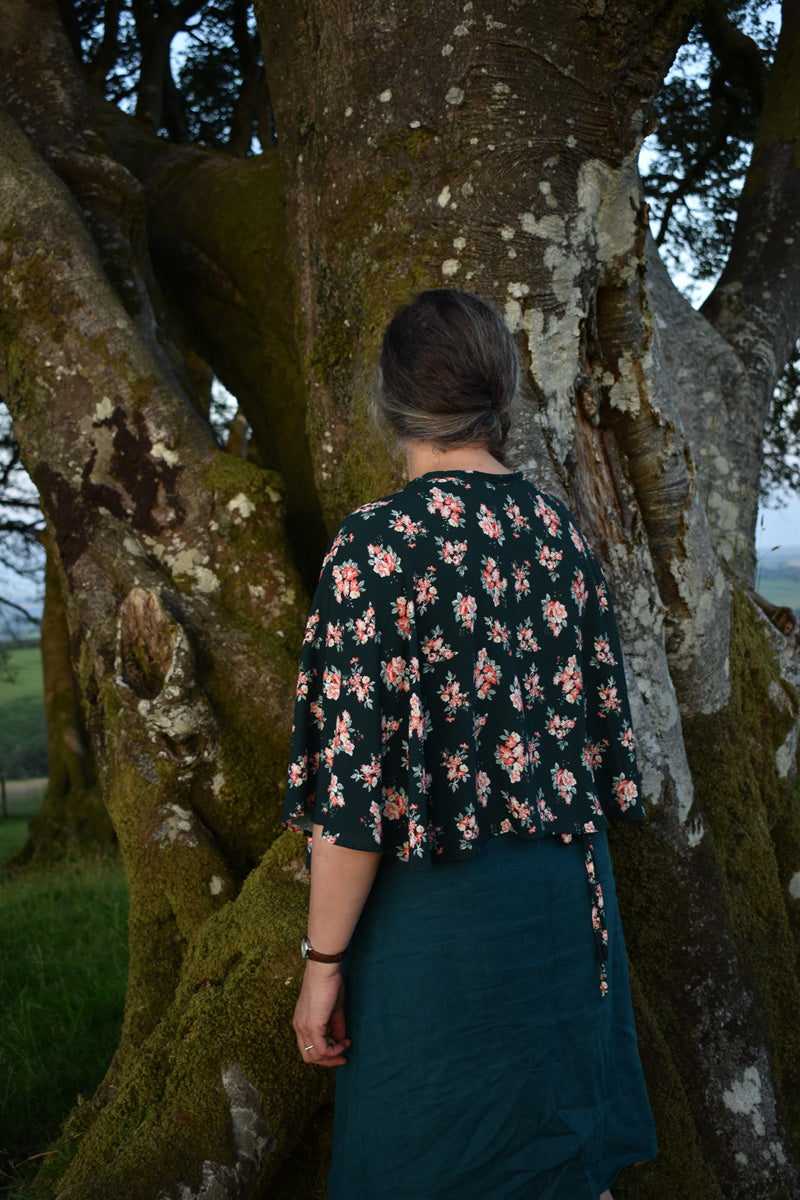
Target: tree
column 493, row 147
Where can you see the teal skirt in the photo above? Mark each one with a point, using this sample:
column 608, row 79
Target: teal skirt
column 487, row 1062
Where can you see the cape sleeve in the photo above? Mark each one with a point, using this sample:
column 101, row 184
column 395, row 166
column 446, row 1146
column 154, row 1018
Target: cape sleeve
column 349, row 685
column 610, row 748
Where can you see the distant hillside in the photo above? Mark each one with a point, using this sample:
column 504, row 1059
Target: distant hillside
column 778, row 575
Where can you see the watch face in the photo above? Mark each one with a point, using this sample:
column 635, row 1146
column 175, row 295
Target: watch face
column 304, row 948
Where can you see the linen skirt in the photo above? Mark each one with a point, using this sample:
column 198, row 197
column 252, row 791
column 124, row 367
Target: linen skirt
column 486, row 1062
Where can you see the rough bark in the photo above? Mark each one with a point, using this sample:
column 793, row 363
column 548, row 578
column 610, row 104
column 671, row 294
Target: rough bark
column 493, row 147
column 73, row 811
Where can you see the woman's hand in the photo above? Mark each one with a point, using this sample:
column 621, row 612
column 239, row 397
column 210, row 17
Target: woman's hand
column 319, row 1016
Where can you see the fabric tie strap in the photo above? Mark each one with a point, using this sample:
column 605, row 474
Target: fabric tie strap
column 597, row 906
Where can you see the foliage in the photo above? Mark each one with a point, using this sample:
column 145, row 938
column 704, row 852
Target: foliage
column 63, row 965
column 21, row 555
column 192, row 71
column 693, row 172
column 23, row 736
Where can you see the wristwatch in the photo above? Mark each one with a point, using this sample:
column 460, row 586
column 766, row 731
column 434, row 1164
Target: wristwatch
column 308, row 951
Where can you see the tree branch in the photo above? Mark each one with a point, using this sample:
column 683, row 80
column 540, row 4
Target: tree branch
column 756, row 304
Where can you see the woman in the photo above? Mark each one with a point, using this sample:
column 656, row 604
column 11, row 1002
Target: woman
column 461, row 681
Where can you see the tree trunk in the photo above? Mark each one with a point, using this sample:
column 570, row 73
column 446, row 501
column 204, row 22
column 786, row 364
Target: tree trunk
column 492, row 148
column 73, row 811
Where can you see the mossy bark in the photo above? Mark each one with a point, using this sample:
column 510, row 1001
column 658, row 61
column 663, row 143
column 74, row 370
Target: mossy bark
column 73, row 812
column 490, row 147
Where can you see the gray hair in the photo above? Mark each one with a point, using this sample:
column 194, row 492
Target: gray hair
column 448, row 372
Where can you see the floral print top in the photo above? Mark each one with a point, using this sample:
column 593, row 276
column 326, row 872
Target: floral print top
column 461, row 676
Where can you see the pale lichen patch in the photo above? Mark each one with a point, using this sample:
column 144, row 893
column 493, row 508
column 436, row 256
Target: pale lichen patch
column 794, row 886
column 385, row 96
column 455, row 96
column 450, row 267
column 163, row 452
column 242, row 505
column 177, row 826
column 216, row 885
column 443, row 199
column 744, row 1097
column 103, row 409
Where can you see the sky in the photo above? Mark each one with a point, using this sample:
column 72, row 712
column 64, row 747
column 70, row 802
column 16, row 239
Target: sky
column 778, row 526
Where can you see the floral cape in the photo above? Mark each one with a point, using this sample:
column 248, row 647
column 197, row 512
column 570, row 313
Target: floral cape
column 461, row 676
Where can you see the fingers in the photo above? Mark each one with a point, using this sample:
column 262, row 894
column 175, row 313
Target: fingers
column 323, row 1053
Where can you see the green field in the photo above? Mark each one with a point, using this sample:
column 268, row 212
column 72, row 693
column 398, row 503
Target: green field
column 779, row 589
column 23, row 735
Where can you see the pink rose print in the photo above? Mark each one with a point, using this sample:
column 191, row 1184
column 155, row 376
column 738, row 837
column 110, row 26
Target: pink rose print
column 486, row 674
column 577, row 540
column 549, row 558
column 447, row 506
column 489, row 524
column 516, row 695
column 570, row 680
column 332, row 683
column 426, row 592
column 482, row 788
column 452, row 697
column 559, row 727
column 403, row 608
column 333, row 635
column 518, row 522
column 494, row 583
column 609, row 700
column 564, row 782
column 298, row 771
column 335, row 792
column 626, row 791
column 368, row 773
column 467, row 825
column 602, row 653
column 592, row 755
column 302, row 684
column 347, row 582
column 452, row 552
column 555, row 614
column 382, row 559
column 497, row 632
column 395, row 674
column 627, row 739
column 435, row 649
column 363, row 628
column 510, row 754
column 341, row 737
column 526, row 640
column 402, row 523
column 457, row 769
column 533, row 686
column 579, row 591
column 465, row 608
column 360, row 686
column 548, row 516
column 522, row 583
column 394, row 804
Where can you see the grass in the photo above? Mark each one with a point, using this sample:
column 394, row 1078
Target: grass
column 63, row 965
column 23, row 734
column 779, row 589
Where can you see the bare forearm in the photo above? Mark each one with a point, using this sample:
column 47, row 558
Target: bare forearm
column 340, row 882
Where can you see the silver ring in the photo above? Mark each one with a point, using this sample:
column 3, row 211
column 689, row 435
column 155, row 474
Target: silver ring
column 311, row 1047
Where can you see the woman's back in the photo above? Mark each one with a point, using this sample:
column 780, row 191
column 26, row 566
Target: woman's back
column 462, row 668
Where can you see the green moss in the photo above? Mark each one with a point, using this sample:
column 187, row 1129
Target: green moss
column 233, row 1005
column 753, row 819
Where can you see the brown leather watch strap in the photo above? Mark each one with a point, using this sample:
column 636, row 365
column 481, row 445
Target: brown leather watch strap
column 308, row 951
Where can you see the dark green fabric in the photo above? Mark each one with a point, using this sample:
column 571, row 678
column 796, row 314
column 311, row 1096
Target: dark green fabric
column 461, row 676
column 486, row 1064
